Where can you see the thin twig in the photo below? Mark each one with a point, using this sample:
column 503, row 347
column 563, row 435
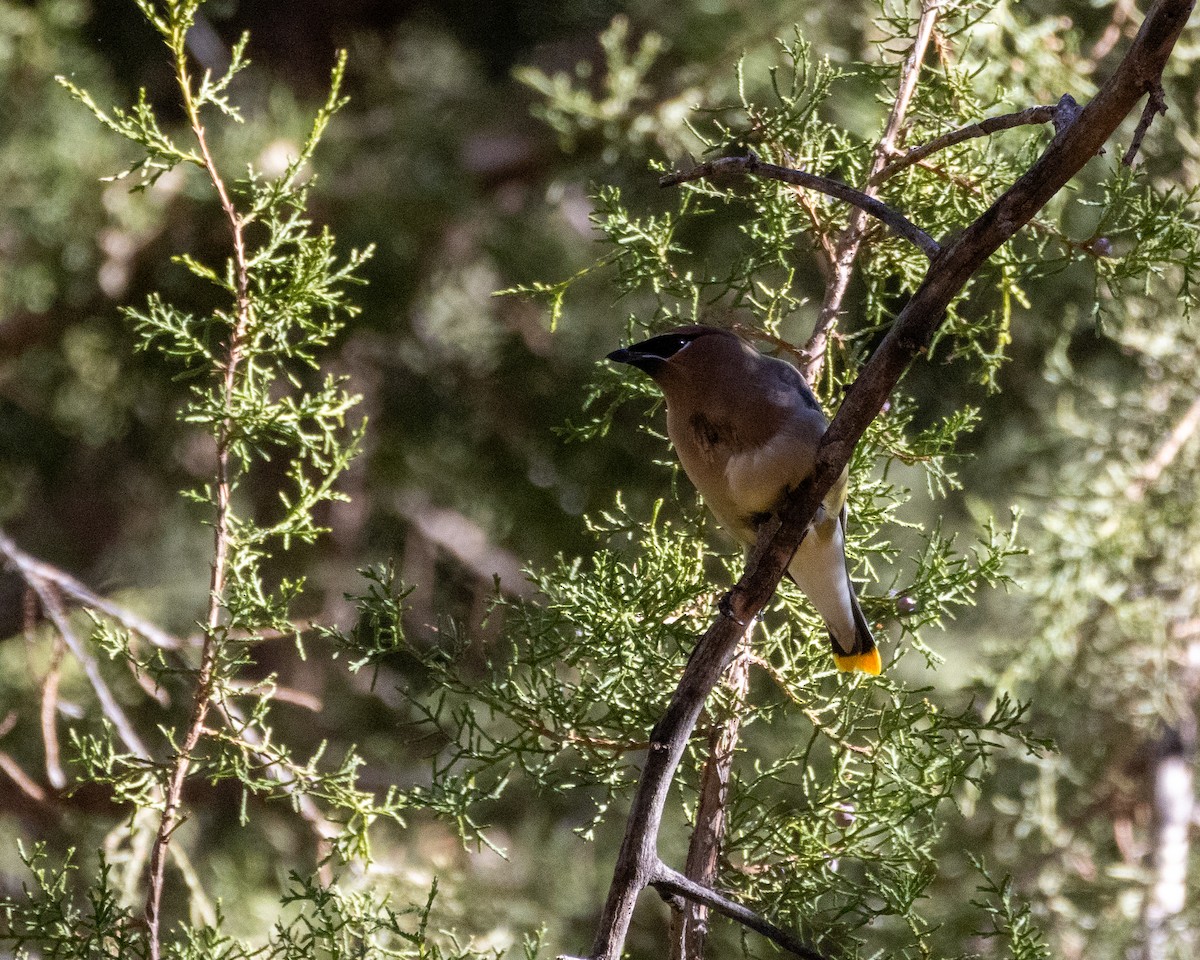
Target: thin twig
column 29, row 566
column 850, row 239
column 753, row 166
column 1123, row 11
column 28, row 786
column 1166, row 453
column 324, row 830
column 607, row 744
column 637, row 862
column 668, row 881
column 206, row 675
column 272, row 691
column 49, row 716
column 823, row 239
column 1060, row 114
column 1156, row 103
column 54, row 609
column 39, row 573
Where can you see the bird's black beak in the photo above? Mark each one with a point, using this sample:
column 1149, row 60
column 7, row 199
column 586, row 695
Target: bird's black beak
column 647, row 362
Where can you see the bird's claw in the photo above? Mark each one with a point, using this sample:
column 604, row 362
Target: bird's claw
column 725, row 606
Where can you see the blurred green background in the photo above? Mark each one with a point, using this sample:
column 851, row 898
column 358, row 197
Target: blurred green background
column 467, row 184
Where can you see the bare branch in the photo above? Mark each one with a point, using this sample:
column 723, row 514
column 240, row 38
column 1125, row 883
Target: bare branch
column 850, row 239
column 1061, row 114
column 31, row 567
column 54, row 609
column 668, row 881
column 637, row 862
column 1155, row 104
column 1167, row 451
column 28, row 786
column 46, row 581
column 49, row 716
column 753, row 166
column 42, row 576
column 689, row 924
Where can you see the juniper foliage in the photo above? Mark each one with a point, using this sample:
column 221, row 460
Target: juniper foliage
column 843, row 788
column 273, row 419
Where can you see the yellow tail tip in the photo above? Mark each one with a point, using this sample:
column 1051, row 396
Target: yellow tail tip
column 868, row 662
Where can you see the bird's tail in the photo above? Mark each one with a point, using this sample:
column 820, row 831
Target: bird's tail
column 864, row 655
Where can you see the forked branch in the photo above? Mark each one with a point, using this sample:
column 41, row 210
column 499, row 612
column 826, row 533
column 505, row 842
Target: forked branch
column 670, row 882
column 1060, row 114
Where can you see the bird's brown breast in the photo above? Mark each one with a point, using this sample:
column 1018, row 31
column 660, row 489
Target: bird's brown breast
column 709, row 435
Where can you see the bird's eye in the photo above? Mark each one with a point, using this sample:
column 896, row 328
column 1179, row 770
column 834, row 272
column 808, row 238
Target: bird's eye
column 666, row 345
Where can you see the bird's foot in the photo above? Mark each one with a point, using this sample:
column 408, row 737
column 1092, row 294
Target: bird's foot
column 725, row 606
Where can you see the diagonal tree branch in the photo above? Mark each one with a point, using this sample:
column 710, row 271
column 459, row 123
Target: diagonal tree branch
column 1061, row 114
column 43, row 578
column 689, row 923
column 753, row 166
column 637, row 863
column 52, row 604
column 670, row 882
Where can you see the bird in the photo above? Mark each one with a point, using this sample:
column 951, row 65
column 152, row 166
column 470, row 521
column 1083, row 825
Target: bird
column 745, row 427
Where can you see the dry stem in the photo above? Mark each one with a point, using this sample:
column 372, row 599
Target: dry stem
column 670, row 882
column 850, row 239
column 49, row 715
column 864, row 202
column 689, row 923
column 31, row 569
column 1060, row 113
column 1155, row 104
column 180, row 763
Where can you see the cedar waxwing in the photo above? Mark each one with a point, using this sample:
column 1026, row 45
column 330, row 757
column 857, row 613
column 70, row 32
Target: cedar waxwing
column 746, row 427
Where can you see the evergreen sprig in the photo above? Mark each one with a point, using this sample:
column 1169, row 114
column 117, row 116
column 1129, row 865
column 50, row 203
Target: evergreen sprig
column 257, row 391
